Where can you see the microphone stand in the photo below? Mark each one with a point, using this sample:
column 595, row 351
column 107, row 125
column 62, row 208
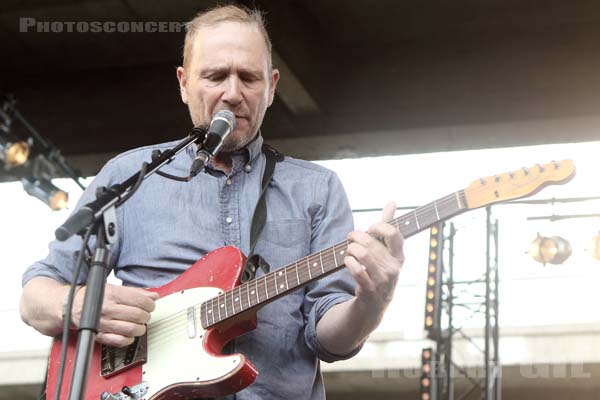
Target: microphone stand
column 101, row 215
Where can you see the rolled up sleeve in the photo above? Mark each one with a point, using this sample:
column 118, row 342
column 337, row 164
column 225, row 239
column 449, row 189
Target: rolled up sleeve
column 332, row 221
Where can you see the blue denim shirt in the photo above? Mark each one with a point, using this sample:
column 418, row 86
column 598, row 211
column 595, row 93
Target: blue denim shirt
column 167, row 226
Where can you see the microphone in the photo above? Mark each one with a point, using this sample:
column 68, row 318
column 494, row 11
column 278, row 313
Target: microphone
column 222, row 124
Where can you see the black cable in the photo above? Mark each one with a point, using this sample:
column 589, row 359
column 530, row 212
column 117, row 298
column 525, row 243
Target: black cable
column 155, row 154
column 67, row 316
column 136, row 186
column 175, row 178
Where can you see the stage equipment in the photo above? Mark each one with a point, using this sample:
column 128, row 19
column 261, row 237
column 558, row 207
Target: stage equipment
column 434, row 277
column 45, row 191
column 554, row 250
column 428, row 375
column 13, row 152
column 40, row 160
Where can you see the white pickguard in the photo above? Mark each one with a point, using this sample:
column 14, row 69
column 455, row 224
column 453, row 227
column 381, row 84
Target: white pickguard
column 175, row 350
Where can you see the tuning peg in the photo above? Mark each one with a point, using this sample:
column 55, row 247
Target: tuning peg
column 541, row 168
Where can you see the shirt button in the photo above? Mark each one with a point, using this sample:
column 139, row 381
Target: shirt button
column 248, row 168
column 228, row 220
column 228, row 182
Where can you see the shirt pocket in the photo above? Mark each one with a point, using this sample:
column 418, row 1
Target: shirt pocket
column 284, row 241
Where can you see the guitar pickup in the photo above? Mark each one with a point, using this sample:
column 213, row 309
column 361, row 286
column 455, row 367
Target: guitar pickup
column 115, row 360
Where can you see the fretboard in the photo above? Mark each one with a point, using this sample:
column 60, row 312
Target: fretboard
column 275, row 284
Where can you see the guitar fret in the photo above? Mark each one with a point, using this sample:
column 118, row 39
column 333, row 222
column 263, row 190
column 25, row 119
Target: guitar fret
column 297, row 276
column 241, row 297
column 334, row 257
column 248, row 294
column 287, row 286
column 232, row 303
column 207, row 323
column 256, row 290
column 275, row 278
column 321, row 261
column 416, row 219
column 225, row 305
column 219, row 307
column 280, row 273
column 212, row 311
column 308, row 265
column 266, row 291
column 460, row 206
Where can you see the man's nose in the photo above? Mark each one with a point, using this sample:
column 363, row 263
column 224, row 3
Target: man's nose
column 233, row 91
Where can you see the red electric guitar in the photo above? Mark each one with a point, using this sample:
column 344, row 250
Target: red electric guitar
column 205, row 307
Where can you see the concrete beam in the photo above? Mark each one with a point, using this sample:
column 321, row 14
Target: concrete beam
column 291, row 91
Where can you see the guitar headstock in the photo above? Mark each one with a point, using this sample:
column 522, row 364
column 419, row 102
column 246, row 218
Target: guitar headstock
column 517, row 184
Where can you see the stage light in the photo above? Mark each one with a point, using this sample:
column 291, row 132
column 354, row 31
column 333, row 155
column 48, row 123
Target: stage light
column 427, row 381
column 554, row 250
column 13, row 152
column 596, row 247
column 45, row 191
column 434, row 276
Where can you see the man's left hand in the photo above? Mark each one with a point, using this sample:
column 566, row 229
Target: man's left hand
column 375, row 259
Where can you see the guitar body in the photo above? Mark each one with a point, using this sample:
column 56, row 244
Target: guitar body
column 179, row 359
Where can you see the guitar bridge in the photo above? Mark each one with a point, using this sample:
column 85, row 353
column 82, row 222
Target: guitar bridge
column 136, row 392
column 115, row 360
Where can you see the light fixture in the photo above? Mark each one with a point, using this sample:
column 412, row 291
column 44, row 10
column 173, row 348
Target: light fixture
column 45, row 191
column 554, row 250
column 48, row 161
column 427, row 380
column 596, row 246
column 433, row 292
column 13, row 152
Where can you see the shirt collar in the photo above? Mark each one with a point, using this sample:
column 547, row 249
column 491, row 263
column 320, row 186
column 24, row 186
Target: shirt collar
column 244, row 157
column 254, row 148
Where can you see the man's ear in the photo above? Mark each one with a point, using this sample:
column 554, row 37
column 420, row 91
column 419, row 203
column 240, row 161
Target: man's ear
column 182, row 78
column 273, row 86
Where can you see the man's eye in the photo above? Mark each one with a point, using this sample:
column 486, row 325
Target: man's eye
column 215, row 78
column 248, row 78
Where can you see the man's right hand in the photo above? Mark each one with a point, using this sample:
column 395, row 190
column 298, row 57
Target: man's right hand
column 125, row 312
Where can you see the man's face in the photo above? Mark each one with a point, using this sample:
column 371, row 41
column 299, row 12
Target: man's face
column 229, row 70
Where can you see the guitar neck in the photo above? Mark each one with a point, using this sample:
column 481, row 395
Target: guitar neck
column 275, row 284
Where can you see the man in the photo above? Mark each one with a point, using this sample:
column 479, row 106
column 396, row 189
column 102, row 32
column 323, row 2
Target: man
column 227, row 65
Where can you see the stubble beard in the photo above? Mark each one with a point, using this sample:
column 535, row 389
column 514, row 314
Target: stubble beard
column 235, row 143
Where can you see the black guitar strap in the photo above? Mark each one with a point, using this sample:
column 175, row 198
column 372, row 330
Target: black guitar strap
column 255, row 261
